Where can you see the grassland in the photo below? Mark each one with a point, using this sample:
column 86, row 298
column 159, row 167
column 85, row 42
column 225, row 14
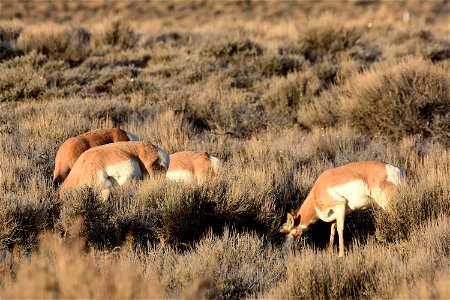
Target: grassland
column 280, row 91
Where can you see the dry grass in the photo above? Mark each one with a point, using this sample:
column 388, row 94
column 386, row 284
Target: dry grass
column 279, row 91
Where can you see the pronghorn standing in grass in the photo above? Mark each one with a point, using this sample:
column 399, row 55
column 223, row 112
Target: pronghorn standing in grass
column 72, row 148
column 341, row 190
column 107, row 166
column 192, row 166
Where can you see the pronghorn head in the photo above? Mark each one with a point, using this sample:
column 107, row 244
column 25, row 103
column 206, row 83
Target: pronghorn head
column 290, row 230
column 163, row 160
column 288, row 225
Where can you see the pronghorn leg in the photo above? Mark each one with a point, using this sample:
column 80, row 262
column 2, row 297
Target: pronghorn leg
column 340, row 219
column 332, row 233
column 105, row 194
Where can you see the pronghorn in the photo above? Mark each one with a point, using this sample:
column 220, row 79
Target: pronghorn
column 192, row 166
column 341, row 190
column 115, row 164
column 72, row 148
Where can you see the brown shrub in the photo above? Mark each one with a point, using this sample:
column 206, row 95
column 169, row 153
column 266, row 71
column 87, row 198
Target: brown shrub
column 222, row 111
column 424, row 197
column 65, row 270
column 370, row 271
column 235, row 265
column 116, row 34
column 21, row 83
column 56, row 41
column 404, row 98
column 323, row 37
column 287, row 95
column 232, row 49
column 8, row 39
column 394, row 100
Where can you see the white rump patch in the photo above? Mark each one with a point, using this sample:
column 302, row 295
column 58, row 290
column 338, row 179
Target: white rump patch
column 181, row 176
column 216, row 164
column 394, row 174
column 121, row 172
column 131, row 136
column 164, row 158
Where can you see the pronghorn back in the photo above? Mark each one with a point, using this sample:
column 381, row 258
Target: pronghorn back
column 72, row 148
column 359, row 183
column 192, row 166
column 115, row 164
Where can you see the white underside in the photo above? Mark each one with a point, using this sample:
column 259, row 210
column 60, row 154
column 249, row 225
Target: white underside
column 120, row 173
column 181, row 176
column 354, row 195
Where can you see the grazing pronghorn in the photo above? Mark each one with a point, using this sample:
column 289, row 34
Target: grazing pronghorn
column 192, row 166
column 115, row 164
column 72, row 148
column 341, row 190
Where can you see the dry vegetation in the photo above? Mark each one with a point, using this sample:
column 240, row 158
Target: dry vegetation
column 280, row 91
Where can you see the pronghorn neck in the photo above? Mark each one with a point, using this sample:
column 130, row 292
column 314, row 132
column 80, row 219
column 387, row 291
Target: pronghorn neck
column 307, row 212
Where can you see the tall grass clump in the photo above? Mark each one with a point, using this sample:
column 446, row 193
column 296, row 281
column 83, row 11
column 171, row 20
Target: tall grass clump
column 287, row 94
column 21, row 221
column 425, row 196
column 412, row 90
column 325, row 39
column 371, row 271
column 168, row 129
column 59, row 42
column 20, row 83
column 115, row 34
column 84, row 215
column 233, row 265
column 231, row 49
column 65, row 270
column 8, row 42
column 222, row 111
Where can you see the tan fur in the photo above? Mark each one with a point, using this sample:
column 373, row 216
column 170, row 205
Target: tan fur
column 367, row 185
column 72, row 148
column 199, row 164
column 92, row 167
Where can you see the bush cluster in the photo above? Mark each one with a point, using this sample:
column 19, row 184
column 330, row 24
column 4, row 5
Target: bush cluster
column 279, row 91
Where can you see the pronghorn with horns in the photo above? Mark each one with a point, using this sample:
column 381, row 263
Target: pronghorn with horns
column 339, row 191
